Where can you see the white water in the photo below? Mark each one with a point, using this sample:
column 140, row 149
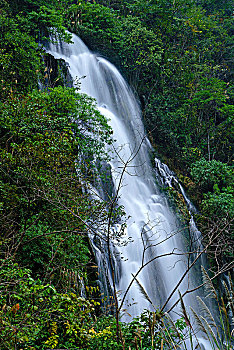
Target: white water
column 151, row 222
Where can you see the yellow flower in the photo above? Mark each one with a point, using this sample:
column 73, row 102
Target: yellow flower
column 92, row 331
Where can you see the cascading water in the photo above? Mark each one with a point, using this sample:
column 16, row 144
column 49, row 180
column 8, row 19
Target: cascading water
column 153, row 229
column 168, row 179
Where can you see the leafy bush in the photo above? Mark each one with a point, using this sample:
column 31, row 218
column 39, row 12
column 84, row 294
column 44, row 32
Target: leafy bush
column 35, row 316
column 206, row 174
column 219, row 204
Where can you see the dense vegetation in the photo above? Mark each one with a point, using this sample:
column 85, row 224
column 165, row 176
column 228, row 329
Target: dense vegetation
column 177, row 57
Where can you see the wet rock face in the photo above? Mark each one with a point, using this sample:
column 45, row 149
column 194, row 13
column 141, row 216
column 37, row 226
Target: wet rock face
column 56, row 72
column 106, row 181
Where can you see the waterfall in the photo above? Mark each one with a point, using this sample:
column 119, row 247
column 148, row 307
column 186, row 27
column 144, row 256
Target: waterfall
column 153, row 230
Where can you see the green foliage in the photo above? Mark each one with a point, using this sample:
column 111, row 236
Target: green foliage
column 140, row 50
column 207, row 174
column 219, row 204
column 214, row 180
column 35, row 316
column 152, row 331
column 43, row 134
column 40, row 18
column 24, row 26
column 16, row 59
column 102, row 334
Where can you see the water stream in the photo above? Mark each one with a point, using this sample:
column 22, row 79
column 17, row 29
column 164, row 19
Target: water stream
column 153, row 229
